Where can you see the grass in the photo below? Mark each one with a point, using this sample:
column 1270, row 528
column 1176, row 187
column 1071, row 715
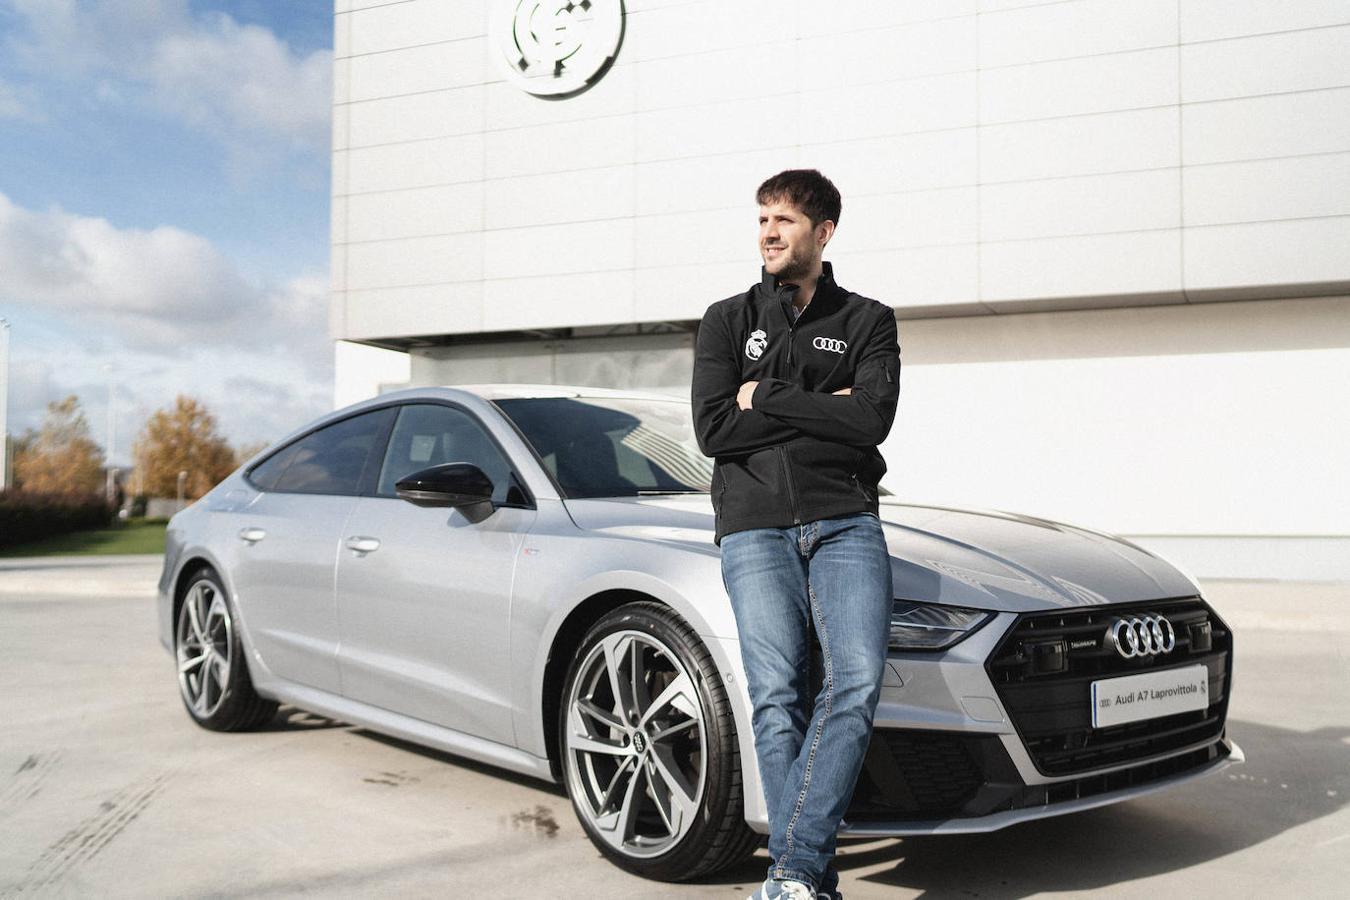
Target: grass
column 133, row 536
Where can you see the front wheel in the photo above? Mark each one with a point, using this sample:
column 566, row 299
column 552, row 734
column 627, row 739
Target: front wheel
column 650, row 757
column 213, row 677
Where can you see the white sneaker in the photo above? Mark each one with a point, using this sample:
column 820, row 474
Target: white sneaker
column 783, row 890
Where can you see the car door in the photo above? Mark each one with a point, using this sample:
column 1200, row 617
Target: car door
column 289, row 537
column 424, row 592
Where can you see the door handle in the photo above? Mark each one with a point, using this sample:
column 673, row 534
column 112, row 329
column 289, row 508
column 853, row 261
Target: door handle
column 363, row 544
column 252, row 535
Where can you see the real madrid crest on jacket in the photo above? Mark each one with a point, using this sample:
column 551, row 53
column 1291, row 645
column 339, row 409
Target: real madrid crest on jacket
column 755, row 344
column 799, row 454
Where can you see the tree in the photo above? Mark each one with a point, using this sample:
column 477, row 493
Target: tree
column 60, row 457
column 181, row 439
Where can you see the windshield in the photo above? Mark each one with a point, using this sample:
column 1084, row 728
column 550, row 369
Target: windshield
column 602, row 447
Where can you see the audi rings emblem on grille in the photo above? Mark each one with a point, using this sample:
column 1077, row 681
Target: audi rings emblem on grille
column 1136, row 636
column 834, row 345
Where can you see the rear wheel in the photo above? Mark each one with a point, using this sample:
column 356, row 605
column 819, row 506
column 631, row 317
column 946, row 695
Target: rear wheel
column 213, row 677
column 650, row 757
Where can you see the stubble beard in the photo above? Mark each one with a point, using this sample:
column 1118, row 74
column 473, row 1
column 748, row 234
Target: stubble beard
column 796, row 267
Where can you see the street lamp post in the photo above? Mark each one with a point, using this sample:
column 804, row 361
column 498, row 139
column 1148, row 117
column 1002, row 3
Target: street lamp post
column 4, row 404
column 112, row 439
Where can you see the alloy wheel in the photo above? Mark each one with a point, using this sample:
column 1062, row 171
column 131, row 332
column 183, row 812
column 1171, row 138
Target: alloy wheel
column 205, row 634
column 636, row 744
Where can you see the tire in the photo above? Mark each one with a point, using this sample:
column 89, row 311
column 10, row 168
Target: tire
column 213, row 677
column 652, row 764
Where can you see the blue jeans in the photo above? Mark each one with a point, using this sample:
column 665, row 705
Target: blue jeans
column 835, row 575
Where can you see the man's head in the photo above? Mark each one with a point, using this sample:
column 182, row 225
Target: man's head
column 798, row 212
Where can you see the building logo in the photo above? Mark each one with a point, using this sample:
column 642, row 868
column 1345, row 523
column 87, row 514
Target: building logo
column 754, row 348
column 555, row 48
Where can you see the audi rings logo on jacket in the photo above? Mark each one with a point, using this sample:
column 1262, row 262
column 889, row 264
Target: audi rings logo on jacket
column 1138, row 636
column 834, row 345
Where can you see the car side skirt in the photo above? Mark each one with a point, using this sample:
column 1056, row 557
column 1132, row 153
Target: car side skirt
column 409, row 729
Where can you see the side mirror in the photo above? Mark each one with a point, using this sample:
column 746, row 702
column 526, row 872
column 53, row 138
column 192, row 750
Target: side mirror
column 449, row 484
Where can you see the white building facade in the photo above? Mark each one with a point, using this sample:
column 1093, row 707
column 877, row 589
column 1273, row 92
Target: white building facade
column 1116, row 232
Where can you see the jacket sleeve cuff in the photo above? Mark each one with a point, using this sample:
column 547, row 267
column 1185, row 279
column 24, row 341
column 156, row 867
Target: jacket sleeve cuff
column 758, row 395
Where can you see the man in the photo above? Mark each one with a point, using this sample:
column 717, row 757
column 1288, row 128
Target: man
column 795, row 384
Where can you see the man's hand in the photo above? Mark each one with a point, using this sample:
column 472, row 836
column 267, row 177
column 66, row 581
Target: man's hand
column 842, row 392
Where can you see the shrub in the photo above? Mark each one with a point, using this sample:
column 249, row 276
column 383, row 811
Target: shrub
column 29, row 516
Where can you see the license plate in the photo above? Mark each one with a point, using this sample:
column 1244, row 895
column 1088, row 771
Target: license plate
column 1133, row 698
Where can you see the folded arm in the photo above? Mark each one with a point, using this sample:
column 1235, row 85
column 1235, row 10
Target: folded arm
column 863, row 416
column 721, row 426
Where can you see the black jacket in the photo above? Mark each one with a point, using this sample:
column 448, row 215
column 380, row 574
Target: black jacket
column 799, row 454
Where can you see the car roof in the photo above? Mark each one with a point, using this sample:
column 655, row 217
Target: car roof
column 540, row 391
column 487, row 392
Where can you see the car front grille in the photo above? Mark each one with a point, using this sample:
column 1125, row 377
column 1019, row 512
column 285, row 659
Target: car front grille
column 1044, row 667
column 917, row 776
column 1119, row 779
column 924, row 774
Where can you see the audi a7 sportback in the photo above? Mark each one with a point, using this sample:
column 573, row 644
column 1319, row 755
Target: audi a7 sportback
column 525, row 576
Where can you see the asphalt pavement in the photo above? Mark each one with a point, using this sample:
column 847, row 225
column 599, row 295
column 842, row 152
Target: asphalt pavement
column 107, row 789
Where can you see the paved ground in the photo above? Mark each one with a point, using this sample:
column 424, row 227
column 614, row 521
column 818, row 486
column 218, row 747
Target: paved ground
column 107, row 789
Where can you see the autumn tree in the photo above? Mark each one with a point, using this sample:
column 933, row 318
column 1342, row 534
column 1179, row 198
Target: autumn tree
column 181, row 439
column 59, row 457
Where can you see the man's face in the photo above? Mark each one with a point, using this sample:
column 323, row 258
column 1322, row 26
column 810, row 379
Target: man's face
column 788, row 243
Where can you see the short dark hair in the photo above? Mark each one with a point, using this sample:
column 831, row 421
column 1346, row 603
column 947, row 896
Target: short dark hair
column 806, row 189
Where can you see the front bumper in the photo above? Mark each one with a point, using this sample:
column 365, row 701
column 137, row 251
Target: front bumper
column 979, row 737
column 1042, row 801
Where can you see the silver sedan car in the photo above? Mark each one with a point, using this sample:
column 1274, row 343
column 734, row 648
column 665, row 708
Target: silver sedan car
column 525, row 576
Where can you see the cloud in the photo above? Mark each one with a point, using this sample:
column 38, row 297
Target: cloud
column 31, row 387
column 169, row 313
column 168, row 309
column 16, row 103
column 83, row 264
column 77, row 36
column 254, row 396
column 236, row 82
column 162, row 290
column 224, row 78
column 279, row 406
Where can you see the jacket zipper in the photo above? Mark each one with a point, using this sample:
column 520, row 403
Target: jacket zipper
column 791, row 487
column 858, row 484
column 782, row 451
column 853, row 476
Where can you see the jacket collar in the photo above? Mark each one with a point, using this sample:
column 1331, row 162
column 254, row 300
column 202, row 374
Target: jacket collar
column 827, row 297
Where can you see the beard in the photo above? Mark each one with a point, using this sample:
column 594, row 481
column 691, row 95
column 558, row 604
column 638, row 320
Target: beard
column 795, row 265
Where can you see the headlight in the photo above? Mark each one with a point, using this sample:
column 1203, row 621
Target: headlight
column 923, row 626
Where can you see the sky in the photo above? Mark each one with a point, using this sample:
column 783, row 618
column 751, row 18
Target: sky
column 164, row 202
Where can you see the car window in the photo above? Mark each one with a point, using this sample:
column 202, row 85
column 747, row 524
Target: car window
column 265, row 474
column 613, row 447
column 330, row 460
column 428, row 434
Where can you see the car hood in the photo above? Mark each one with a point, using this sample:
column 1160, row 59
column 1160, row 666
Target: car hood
column 976, row 558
